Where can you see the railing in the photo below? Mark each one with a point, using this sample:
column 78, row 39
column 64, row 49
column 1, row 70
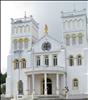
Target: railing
column 45, row 68
column 49, row 68
column 74, row 13
column 19, row 20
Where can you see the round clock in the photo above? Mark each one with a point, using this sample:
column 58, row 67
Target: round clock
column 46, row 46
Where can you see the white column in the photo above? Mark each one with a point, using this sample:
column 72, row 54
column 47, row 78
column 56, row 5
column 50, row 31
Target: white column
column 57, row 84
column 64, row 81
column 50, row 60
column 42, row 62
column 33, row 85
column 28, row 85
column 45, row 81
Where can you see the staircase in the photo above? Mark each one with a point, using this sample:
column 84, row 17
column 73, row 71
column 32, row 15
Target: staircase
column 42, row 97
column 49, row 97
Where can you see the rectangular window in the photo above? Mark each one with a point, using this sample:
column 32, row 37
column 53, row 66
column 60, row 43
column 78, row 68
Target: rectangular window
column 55, row 60
column 46, row 60
column 38, row 60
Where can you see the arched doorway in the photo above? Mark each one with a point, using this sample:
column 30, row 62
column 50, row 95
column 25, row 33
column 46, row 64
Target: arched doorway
column 49, row 86
column 20, row 87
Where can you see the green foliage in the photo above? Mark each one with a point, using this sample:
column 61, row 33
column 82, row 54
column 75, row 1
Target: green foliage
column 3, row 89
column 3, row 78
column 2, row 81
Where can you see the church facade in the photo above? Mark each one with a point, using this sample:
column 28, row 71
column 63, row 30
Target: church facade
column 39, row 68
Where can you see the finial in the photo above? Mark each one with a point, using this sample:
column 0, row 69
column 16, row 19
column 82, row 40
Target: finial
column 25, row 15
column 46, row 29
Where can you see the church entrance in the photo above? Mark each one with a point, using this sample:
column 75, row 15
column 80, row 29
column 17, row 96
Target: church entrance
column 49, row 86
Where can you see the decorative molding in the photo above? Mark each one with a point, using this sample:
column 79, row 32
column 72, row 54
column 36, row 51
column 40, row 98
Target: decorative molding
column 25, row 39
column 74, row 35
column 80, row 34
column 67, row 36
column 20, row 40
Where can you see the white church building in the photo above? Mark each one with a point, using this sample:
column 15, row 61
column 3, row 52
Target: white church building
column 40, row 68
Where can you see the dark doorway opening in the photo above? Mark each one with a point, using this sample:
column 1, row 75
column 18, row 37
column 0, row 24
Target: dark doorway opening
column 49, row 86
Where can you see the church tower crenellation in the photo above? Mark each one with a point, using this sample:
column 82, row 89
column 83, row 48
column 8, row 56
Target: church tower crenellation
column 24, row 33
column 74, row 27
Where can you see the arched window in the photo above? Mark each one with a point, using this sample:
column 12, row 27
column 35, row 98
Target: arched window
column 71, row 60
column 75, row 24
column 73, row 39
column 80, row 23
column 26, row 42
column 38, row 60
column 16, row 64
column 79, row 60
column 27, row 28
column 24, row 29
column 23, row 63
column 75, row 83
column 46, row 60
column 71, row 26
column 20, row 29
column 55, row 60
column 20, row 87
column 15, row 44
column 20, row 43
column 67, row 39
column 80, row 38
column 16, row 29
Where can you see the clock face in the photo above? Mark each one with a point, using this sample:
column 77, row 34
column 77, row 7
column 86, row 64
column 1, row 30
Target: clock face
column 46, row 46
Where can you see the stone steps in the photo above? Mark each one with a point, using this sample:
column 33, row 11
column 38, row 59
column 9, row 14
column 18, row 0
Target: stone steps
column 48, row 98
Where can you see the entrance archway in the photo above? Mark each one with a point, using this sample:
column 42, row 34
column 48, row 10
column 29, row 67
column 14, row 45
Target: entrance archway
column 49, row 86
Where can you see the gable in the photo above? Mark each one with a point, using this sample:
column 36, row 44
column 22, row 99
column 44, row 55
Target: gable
column 46, row 44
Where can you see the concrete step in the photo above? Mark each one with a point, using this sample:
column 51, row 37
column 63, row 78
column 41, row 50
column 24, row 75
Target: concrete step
column 48, row 98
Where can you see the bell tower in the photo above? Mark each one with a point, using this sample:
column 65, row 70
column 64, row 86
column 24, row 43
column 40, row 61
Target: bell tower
column 24, row 33
column 74, row 27
column 75, row 40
